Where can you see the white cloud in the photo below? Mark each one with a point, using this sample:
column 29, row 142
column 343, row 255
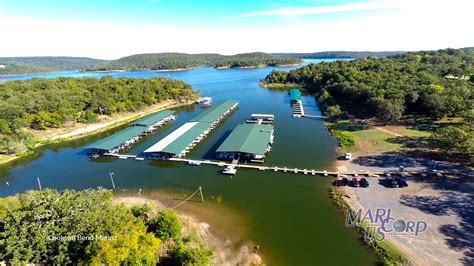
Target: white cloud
column 366, row 6
column 415, row 26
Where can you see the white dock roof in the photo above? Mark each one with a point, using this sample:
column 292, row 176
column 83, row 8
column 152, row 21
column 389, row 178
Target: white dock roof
column 163, row 143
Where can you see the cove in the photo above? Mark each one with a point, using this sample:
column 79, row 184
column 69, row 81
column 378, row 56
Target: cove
column 289, row 216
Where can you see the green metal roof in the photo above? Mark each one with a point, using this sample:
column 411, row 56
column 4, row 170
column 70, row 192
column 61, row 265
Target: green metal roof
column 295, row 95
column 118, row 138
column 178, row 145
column 153, row 118
column 213, row 113
column 248, row 138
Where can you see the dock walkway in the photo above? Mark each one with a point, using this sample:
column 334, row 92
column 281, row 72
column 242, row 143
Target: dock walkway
column 275, row 168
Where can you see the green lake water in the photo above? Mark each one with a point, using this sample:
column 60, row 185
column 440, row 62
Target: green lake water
column 288, row 215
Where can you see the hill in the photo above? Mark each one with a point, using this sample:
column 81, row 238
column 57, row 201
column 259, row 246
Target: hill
column 174, row 61
column 341, row 54
column 25, row 65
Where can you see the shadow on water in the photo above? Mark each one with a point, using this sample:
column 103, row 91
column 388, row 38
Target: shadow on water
column 211, row 153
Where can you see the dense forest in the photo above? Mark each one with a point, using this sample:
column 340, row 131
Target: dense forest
column 86, row 227
column 50, row 103
column 165, row 61
column 341, row 54
column 24, row 65
column 437, row 84
column 432, row 84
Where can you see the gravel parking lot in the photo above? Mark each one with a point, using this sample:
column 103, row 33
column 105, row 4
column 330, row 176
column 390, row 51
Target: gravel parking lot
column 445, row 204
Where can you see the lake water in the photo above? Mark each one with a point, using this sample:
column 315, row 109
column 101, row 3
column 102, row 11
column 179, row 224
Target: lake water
column 288, row 215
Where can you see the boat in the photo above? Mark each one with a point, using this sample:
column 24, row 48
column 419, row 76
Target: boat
column 139, row 158
column 205, row 101
column 95, row 155
column 229, row 170
column 193, row 162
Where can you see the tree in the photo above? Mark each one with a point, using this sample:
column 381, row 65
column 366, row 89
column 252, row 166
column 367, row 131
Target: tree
column 46, row 227
column 166, row 225
column 453, row 139
column 390, row 110
column 181, row 254
column 334, row 111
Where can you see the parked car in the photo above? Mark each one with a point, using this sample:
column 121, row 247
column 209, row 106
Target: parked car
column 401, row 182
column 390, row 181
column 348, row 156
column 345, row 181
column 355, row 182
column 341, row 182
column 364, row 183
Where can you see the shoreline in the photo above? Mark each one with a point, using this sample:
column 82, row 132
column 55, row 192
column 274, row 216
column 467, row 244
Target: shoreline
column 225, row 251
column 84, row 130
column 33, row 73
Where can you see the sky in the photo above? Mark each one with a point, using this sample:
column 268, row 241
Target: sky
column 108, row 29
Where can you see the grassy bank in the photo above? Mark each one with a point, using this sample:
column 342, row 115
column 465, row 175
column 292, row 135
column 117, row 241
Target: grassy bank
column 388, row 253
column 80, row 130
column 369, row 138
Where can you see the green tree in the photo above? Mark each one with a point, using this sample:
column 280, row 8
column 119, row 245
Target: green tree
column 453, row 139
column 166, row 225
column 334, row 111
column 390, row 110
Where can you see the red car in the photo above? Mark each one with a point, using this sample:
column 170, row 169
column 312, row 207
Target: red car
column 355, row 182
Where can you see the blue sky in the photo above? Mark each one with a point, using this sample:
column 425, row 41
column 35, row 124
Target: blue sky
column 110, row 29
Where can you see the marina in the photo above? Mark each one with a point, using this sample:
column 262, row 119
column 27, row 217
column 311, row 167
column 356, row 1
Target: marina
column 253, row 196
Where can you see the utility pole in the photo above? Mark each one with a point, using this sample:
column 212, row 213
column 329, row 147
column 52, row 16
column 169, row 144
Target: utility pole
column 112, row 179
column 202, row 197
column 39, row 183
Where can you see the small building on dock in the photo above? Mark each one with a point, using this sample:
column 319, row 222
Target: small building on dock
column 181, row 141
column 249, row 142
column 261, row 118
column 128, row 136
column 295, row 95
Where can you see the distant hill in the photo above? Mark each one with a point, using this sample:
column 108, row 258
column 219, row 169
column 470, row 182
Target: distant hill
column 25, row 65
column 341, row 54
column 174, row 61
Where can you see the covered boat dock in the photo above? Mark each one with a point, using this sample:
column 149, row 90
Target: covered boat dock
column 126, row 137
column 247, row 142
column 296, row 102
column 179, row 142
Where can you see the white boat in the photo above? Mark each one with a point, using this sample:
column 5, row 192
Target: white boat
column 192, row 162
column 229, row 170
column 139, row 158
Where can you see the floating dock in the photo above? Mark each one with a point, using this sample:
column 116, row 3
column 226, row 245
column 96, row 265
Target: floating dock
column 122, row 139
column 179, row 142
